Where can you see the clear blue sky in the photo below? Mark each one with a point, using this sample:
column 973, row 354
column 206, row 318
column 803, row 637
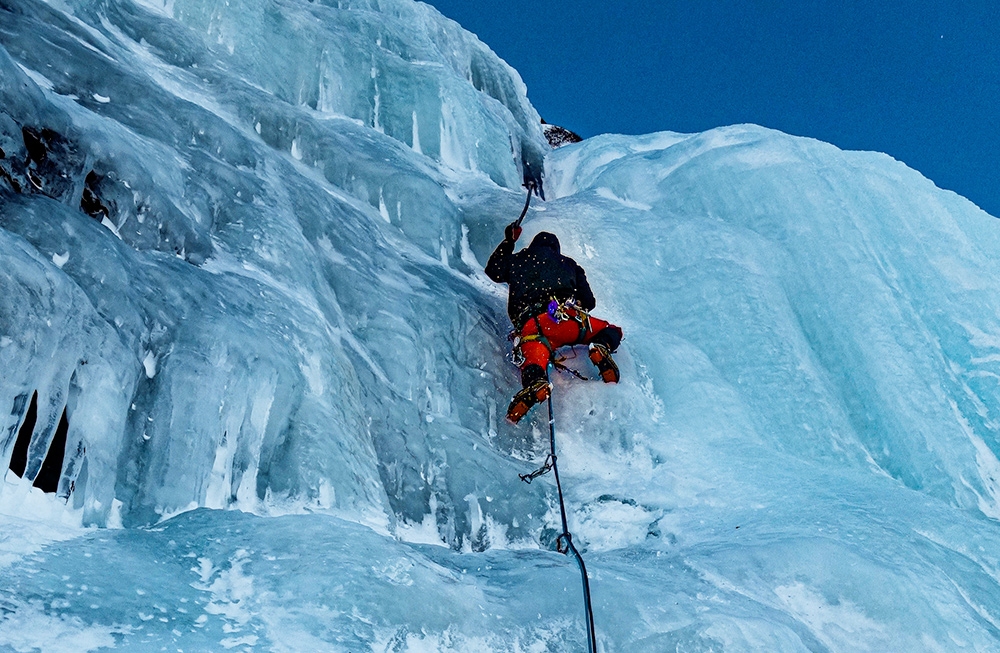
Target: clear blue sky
column 919, row 80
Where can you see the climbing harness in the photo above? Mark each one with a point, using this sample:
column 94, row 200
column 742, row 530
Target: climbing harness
column 559, row 311
column 564, row 543
column 558, row 361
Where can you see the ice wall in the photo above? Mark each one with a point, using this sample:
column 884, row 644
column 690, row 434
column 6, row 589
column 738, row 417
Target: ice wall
column 855, row 320
column 251, row 251
column 241, row 247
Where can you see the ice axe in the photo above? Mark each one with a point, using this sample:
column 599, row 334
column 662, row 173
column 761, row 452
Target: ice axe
column 513, row 230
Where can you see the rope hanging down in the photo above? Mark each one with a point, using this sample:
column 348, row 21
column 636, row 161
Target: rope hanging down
column 564, row 543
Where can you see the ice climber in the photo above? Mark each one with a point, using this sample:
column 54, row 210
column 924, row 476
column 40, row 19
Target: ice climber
column 548, row 301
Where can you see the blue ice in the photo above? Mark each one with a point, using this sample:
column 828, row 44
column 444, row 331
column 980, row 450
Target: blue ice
column 248, row 267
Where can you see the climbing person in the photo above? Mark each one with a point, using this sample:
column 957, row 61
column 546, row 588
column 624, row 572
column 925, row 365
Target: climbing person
column 549, row 301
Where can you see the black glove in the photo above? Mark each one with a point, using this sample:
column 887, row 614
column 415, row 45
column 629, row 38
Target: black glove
column 512, row 232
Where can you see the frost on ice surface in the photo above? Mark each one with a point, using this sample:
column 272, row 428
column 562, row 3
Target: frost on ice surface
column 251, row 281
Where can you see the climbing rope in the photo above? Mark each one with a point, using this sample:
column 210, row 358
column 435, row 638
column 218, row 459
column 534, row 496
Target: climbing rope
column 564, row 543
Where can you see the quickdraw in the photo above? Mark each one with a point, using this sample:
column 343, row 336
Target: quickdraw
column 546, row 467
column 559, row 311
column 569, row 310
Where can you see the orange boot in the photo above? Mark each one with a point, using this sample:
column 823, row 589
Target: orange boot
column 527, row 397
column 601, row 357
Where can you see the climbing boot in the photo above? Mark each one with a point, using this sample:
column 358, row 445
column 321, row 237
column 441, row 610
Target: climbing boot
column 527, row 397
column 601, row 357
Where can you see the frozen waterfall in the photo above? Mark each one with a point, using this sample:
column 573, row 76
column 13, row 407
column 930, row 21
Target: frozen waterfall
column 253, row 378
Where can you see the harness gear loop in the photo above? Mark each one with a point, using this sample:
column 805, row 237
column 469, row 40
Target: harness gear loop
column 516, row 355
column 568, row 309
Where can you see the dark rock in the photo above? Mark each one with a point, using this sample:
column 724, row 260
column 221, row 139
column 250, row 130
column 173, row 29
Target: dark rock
column 91, row 203
column 558, row 136
column 37, row 152
column 6, row 176
column 51, row 164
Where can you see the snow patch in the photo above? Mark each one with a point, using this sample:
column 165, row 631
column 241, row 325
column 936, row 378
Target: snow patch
column 41, row 80
column 32, row 519
column 149, row 364
column 30, row 627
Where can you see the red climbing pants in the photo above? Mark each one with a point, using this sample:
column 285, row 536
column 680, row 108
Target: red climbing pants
column 538, row 350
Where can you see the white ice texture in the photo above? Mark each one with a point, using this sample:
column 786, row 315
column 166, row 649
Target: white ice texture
column 245, row 258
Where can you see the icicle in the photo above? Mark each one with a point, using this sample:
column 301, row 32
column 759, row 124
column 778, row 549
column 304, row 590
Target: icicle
column 416, row 134
column 382, row 208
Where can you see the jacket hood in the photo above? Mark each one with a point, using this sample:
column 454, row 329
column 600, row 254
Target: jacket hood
column 546, row 240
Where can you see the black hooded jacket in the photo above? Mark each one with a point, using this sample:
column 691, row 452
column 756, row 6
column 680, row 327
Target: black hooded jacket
column 536, row 275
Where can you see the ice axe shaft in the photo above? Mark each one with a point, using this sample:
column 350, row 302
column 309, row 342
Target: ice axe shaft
column 530, row 185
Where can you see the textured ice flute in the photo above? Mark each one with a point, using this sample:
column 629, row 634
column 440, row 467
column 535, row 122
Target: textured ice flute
column 293, row 384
